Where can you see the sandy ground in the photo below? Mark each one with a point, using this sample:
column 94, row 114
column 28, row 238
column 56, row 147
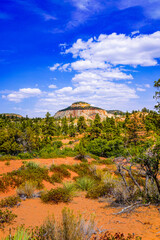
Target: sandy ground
column 15, row 164
column 144, row 221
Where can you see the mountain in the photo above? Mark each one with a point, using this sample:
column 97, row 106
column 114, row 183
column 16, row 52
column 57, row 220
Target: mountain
column 84, row 109
column 11, row 115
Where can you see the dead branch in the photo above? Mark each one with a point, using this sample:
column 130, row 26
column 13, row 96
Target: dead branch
column 131, row 176
column 132, row 207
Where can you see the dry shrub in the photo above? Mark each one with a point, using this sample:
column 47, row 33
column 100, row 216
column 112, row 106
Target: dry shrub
column 117, row 236
column 123, row 195
column 27, row 189
column 153, row 193
column 71, row 228
column 47, row 231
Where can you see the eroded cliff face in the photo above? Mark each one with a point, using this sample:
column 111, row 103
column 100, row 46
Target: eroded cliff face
column 82, row 109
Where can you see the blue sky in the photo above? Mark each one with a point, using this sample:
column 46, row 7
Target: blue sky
column 53, row 53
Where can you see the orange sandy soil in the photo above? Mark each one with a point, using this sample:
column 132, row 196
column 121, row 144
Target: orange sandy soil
column 15, row 164
column 144, row 221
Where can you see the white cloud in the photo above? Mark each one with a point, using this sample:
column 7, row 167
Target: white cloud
column 64, row 90
column 103, row 67
column 151, row 7
column 33, row 7
column 65, row 67
column 83, row 9
column 147, row 85
column 119, row 49
column 18, row 96
column 141, row 89
column 52, row 86
column 99, row 63
column 135, row 32
column 55, row 66
column 88, row 64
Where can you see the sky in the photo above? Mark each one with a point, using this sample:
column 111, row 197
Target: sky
column 56, row 52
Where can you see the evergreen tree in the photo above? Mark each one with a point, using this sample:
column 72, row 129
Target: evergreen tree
column 157, row 94
column 64, row 128
column 81, row 124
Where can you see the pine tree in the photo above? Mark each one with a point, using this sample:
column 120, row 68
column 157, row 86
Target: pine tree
column 157, row 94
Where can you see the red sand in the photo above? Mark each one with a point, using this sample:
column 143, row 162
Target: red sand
column 144, row 221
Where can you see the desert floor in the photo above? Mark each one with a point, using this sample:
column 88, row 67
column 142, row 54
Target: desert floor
column 143, row 221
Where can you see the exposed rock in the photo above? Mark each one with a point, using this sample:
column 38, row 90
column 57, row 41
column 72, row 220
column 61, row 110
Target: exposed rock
column 11, row 115
column 82, row 109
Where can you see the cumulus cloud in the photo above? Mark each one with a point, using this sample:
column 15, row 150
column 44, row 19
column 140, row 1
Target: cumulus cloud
column 55, row 66
column 101, row 72
column 141, row 89
column 64, row 90
column 119, row 49
column 102, row 76
column 18, row 96
column 52, row 86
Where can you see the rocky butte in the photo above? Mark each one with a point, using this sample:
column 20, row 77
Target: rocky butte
column 84, row 109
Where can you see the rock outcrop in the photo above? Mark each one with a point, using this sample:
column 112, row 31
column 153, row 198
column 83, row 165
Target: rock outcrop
column 11, row 115
column 84, row 109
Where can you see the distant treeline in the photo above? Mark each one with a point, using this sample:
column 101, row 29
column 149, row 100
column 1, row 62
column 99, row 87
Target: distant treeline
column 109, row 137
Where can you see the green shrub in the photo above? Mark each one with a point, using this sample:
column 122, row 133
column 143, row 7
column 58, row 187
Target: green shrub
column 56, row 195
column 29, row 172
column 60, row 169
column 70, row 187
column 32, row 165
column 104, row 148
column 20, row 234
column 52, row 152
column 25, row 155
column 57, row 144
column 56, row 177
column 9, row 201
column 7, row 163
column 9, row 180
column 99, row 191
column 107, row 161
column 117, row 236
column 82, row 169
column 33, row 172
column 8, row 157
column 85, row 183
column 6, row 216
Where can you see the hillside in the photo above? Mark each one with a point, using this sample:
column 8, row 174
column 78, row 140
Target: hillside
column 11, row 115
column 84, row 109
